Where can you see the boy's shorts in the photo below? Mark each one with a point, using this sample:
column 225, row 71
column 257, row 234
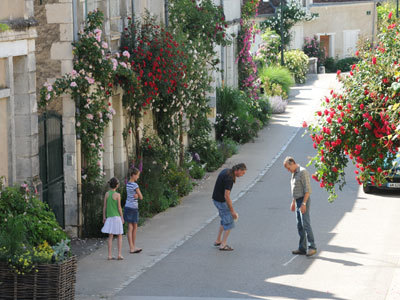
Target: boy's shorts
column 225, row 214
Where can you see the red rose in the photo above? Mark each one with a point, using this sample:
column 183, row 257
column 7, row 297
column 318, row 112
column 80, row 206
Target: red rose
column 334, row 169
column 319, row 113
column 304, row 124
column 361, row 106
column 390, row 15
column 374, row 60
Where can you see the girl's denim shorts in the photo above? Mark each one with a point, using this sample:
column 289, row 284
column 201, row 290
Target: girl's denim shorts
column 225, row 214
column 131, row 215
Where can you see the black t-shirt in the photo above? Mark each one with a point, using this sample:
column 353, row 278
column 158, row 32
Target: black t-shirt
column 224, row 182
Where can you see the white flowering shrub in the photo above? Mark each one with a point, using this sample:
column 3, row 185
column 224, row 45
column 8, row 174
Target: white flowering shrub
column 278, row 105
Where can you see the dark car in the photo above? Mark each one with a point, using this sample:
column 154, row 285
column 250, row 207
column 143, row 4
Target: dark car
column 392, row 180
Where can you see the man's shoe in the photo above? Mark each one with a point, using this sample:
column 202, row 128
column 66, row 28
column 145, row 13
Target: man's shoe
column 298, row 252
column 311, row 252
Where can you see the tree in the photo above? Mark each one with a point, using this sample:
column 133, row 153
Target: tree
column 361, row 122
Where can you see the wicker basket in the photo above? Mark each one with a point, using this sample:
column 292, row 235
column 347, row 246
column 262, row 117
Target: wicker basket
column 52, row 281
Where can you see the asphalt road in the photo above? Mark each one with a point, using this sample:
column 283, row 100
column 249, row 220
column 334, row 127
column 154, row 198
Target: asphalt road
column 357, row 238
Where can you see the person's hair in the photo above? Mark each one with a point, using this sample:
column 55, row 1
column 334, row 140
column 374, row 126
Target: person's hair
column 289, row 160
column 113, row 182
column 133, row 171
column 241, row 167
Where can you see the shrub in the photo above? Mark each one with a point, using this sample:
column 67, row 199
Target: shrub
column 330, row 65
column 278, row 105
column 312, row 48
column 297, row 63
column 268, row 51
column 196, row 170
column 208, row 153
column 234, row 119
column 178, row 180
column 275, row 78
column 360, row 120
column 345, row 64
column 29, row 232
column 228, row 147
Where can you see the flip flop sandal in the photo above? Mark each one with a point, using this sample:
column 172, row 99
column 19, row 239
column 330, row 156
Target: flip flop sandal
column 217, row 244
column 226, row 248
column 136, row 251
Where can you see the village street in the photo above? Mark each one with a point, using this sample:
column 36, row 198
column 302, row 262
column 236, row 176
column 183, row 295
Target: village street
column 357, row 236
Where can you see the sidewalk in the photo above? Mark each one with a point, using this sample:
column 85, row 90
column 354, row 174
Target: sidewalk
column 99, row 278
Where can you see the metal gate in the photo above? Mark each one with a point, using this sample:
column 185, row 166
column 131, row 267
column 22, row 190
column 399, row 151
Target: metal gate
column 51, row 163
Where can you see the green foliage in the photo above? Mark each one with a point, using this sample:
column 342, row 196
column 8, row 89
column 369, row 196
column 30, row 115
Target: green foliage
column 178, row 180
column 228, row 147
column 208, row 153
column 4, row 27
column 345, row 64
column 276, row 80
column 312, row 48
column 196, row 170
column 330, row 65
column 293, row 12
column 90, row 83
column 297, row 63
column 92, row 208
column 361, row 121
column 268, row 51
column 234, row 119
column 28, row 229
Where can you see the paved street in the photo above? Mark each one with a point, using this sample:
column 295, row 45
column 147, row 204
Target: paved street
column 357, row 235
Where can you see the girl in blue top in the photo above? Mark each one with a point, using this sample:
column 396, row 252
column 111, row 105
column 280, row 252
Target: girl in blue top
column 131, row 209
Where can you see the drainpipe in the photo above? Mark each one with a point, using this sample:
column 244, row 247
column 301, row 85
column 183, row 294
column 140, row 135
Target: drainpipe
column 78, row 137
column 221, row 2
column 132, row 10
column 373, row 24
column 166, row 12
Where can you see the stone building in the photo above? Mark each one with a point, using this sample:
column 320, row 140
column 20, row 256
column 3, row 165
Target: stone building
column 339, row 25
column 59, row 22
column 19, row 156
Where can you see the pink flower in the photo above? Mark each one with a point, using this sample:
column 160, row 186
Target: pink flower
column 104, row 45
column 73, row 84
column 89, row 79
column 89, row 116
column 126, row 54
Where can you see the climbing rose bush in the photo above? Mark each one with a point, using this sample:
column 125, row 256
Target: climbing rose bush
column 361, row 122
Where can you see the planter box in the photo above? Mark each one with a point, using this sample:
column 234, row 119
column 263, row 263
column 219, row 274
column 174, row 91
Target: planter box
column 52, row 281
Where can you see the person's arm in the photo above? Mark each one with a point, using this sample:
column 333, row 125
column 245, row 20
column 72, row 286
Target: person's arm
column 105, row 207
column 229, row 203
column 139, row 194
column 305, row 180
column 120, row 208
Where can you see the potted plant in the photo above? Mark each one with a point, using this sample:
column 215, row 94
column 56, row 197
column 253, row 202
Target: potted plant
column 35, row 257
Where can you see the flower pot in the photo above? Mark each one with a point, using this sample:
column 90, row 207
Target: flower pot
column 51, row 281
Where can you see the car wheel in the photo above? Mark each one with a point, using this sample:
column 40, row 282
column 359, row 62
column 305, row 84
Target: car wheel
column 367, row 189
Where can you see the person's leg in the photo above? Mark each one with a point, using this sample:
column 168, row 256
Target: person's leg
column 225, row 238
column 129, row 235
column 221, row 229
column 307, row 227
column 135, row 226
column 120, row 246
column 300, row 227
column 110, row 239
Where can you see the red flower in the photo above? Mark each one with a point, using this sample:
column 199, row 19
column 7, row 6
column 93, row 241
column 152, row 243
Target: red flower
column 338, row 72
column 149, row 146
column 356, row 130
column 319, row 113
column 367, row 125
column 374, row 60
column 315, row 177
column 356, row 171
column 357, row 53
column 334, row 169
column 390, row 15
column 379, row 170
column 361, row 106
column 304, row 124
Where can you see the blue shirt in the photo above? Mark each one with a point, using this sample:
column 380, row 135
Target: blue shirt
column 131, row 201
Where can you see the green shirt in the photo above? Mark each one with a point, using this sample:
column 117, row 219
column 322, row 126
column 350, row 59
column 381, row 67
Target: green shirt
column 112, row 206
